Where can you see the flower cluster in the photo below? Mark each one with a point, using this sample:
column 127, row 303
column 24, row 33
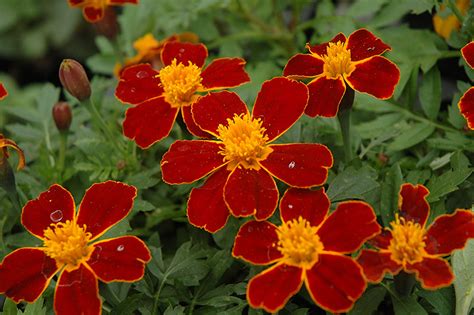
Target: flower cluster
column 466, row 103
column 94, row 10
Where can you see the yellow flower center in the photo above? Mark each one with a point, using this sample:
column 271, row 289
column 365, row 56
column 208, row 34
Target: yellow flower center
column 407, row 244
column 180, row 82
column 299, row 243
column 244, row 141
column 337, row 60
column 67, row 244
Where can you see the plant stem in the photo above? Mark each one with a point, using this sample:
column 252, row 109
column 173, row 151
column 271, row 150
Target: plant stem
column 344, row 118
column 62, row 153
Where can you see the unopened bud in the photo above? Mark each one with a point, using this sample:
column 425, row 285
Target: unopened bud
column 74, row 79
column 62, row 116
column 108, row 25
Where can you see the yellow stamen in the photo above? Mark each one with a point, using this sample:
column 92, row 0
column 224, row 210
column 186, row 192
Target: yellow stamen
column 407, row 244
column 244, row 142
column 337, row 60
column 299, row 243
column 67, row 244
column 180, row 82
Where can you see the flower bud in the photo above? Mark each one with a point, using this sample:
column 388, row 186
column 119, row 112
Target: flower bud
column 74, row 79
column 62, row 116
column 108, row 26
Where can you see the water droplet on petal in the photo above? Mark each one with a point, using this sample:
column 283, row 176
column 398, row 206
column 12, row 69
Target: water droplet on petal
column 292, row 165
column 290, row 206
column 56, row 216
column 181, row 50
column 120, row 248
column 142, row 74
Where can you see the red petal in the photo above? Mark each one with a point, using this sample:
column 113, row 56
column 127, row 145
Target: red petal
column 251, row 192
column 381, row 240
column 272, row 288
column 468, row 54
column 311, row 205
column 299, row 165
column 214, row 109
column 105, row 204
column 149, row 122
column 303, row 65
column 348, row 227
column 376, row 76
column 224, row 73
column 412, row 203
column 363, row 44
column 77, row 292
column 321, row 48
column 335, row 282
column 256, row 242
column 206, row 205
column 3, row 92
column 325, row 95
column 93, row 14
column 376, row 264
column 433, row 273
column 449, row 232
column 279, row 104
column 119, row 259
column 76, row 3
column 184, row 53
column 466, row 107
column 52, row 206
column 189, row 160
column 193, row 128
column 138, row 84
column 25, row 273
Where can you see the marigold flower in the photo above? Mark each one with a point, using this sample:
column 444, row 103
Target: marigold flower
column 3, row 92
column 444, row 24
column 68, row 249
column 93, row 10
column 354, row 61
column 4, row 144
column 160, row 95
column 309, row 246
column 466, row 103
column 242, row 161
column 149, row 50
column 414, row 248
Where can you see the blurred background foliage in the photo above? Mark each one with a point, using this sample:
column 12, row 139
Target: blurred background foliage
column 418, row 136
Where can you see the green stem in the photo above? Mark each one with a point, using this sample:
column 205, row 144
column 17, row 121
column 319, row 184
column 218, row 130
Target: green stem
column 450, row 54
column 62, row 153
column 101, row 124
column 344, row 117
column 452, row 6
column 157, row 297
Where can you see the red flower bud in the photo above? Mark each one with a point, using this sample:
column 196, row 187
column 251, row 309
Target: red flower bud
column 108, row 26
column 74, row 79
column 62, row 116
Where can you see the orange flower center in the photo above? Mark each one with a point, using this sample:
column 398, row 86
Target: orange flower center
column 244, row 141
column 180, row 82
column 299, row 243
column 337, row 60
column 67, row 244
column 407, row 244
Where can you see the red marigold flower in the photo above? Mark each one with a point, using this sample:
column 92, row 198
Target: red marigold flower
column 149, row 50
column 4, row 144
column 93, row 10
column 466, row 103
column 243, row 161
column 332, row 65
column 160, row 95
column 309, row 246
column 68, row 249
column 3, row 92
column 414, row 248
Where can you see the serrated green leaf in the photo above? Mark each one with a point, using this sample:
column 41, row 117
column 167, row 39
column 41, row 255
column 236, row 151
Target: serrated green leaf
column 389, row 193
column 352, row 183
column 369, row 302
column 430, row 93
column 407, row 305
column 412, row 136
column 442, row 300
column 463, row 268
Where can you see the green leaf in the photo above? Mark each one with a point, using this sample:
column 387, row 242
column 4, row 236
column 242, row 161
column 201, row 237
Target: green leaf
column 352, row 183
column 441, row 299
column 36, row 308
column 9, row 308
column 411, row 136
column 374, row 128
column 362, row 8
column 450, row 180
column 430, row 93
column 369, row 302
column 463, row 267
column 407, row 305
column 389, row 193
